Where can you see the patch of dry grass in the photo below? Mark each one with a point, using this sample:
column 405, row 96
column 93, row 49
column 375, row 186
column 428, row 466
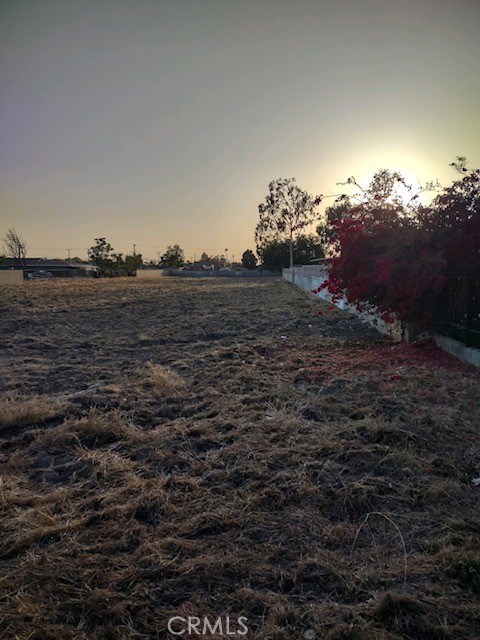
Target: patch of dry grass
column 162, row 380
column 18, row 411
column 203, row 465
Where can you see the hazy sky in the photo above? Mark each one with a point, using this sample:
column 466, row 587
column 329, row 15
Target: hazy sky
column 160, row 122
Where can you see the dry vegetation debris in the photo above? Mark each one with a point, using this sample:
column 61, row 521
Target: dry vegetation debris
column 164, row 451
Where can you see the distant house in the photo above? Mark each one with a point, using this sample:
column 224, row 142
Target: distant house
column 200, row 265
column 58, row 268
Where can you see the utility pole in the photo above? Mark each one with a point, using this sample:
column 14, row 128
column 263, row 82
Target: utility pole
column 226, row 256
column 134, row 247
column 69, row 253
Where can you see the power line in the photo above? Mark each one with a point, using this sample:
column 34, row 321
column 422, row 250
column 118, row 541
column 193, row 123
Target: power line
column 59, row 248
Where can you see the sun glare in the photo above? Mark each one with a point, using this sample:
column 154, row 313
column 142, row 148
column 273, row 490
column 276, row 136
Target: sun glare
column 412, row 186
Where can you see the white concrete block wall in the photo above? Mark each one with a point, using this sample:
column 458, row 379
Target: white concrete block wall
column 309, row 277
column 151, row 273
column 11, row 276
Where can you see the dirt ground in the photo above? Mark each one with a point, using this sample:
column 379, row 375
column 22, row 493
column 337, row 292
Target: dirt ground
column 216, row 448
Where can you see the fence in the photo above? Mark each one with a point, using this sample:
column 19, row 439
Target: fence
column 460, row 309
column 187, row 273
column 309, row 277
column 67, row 273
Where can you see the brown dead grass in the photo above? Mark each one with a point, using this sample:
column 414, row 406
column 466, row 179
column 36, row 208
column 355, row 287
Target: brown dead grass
column 191, row 461
column 19, row 411
column 163, row 380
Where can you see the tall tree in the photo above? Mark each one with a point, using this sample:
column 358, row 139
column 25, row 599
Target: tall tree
column 113, row 264
column 101, row 254
column 132, row 263
column 15, row 247
column 286, row 210
column 128, row 265
column 174, row 256
column 249, row 260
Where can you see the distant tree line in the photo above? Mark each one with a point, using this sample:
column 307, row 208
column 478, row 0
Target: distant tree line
column 111, row 264
column 278, row 254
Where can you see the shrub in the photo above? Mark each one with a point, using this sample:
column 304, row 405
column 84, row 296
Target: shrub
column 396, row 255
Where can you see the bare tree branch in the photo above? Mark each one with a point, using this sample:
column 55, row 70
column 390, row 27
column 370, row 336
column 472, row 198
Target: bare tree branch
column 15, row 247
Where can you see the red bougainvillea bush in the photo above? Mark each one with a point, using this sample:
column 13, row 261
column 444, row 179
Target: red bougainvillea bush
column 454, row 220
column 393, row 254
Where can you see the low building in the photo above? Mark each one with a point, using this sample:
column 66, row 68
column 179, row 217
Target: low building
column 200, row 265
column 55, row 267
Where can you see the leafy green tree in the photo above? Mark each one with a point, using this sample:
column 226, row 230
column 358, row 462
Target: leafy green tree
column 132, row 263
column 287, row 209
column 453, row 218
column 218, row 261
column 333, row 214
column 249, row 260
column 276, row 253
column 308, row 248
column 118, row 262
column 101, row 255
column 128, row 265
column 174, row 256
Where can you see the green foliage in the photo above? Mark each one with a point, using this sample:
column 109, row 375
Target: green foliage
column 113, row 264
column 101, row 256
column 128, row 265
column 132, row 263
column 453, row 218
column 174, row 256
column 275, row 254
column 307, row 248
column 249, row 260
column 333, row 214
column 218, row 261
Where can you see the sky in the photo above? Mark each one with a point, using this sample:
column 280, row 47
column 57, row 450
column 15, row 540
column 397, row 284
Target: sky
column 157, row 122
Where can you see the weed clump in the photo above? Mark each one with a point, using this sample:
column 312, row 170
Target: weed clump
column 162, row 380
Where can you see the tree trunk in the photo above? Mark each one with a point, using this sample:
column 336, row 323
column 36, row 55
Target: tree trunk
column 290, row 246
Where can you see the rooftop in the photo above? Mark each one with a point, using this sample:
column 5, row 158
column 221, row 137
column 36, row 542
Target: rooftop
column 44, row 263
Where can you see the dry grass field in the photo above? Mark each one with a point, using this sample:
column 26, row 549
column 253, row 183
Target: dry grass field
column 215, row 447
